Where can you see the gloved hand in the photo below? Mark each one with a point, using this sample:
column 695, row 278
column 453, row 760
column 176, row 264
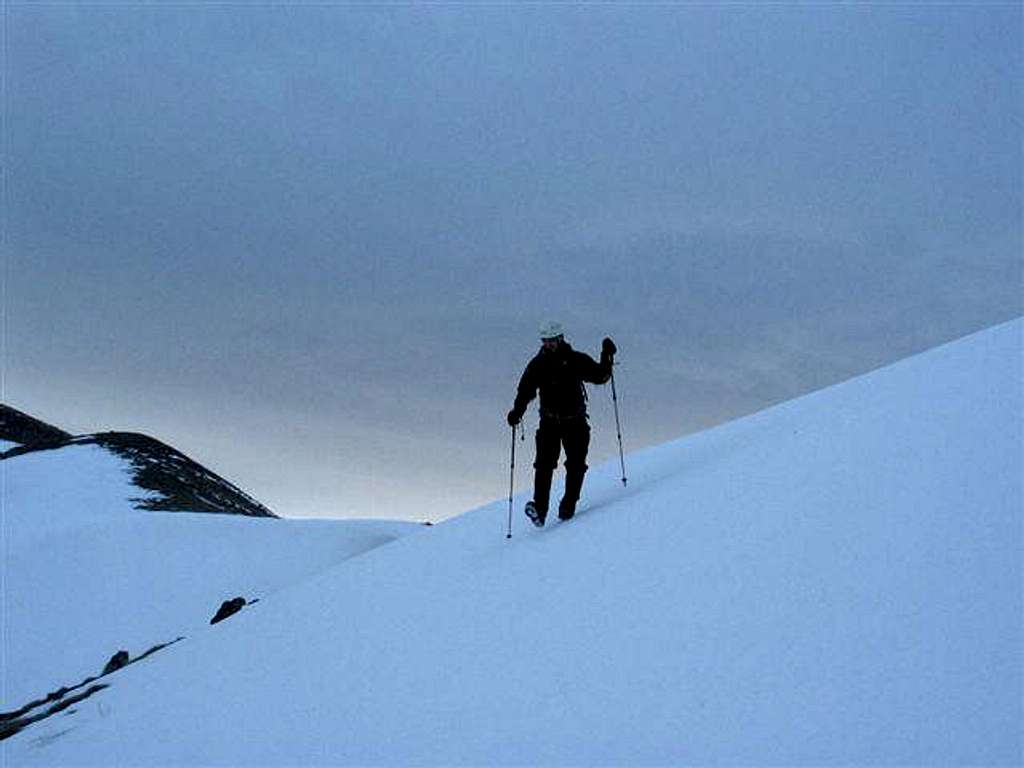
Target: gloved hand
column 608, row 347
column 513, row 418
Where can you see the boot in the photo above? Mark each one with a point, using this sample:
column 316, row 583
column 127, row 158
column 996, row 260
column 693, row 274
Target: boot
column 536, row 516
column 537, row 510
column 573, row 487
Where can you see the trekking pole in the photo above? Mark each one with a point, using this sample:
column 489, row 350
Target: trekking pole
column 511, row 482
column 618, row 427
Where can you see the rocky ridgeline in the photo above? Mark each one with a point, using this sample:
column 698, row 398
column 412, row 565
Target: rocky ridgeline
column 18, row 427
column 176, row 482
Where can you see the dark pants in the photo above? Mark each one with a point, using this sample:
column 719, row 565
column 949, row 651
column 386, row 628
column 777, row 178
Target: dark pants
column 552, row 436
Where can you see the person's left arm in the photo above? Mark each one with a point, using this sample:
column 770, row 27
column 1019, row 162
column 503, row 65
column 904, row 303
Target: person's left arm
column 598, row 372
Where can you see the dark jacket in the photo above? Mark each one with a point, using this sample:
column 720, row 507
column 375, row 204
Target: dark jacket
column 559, row 375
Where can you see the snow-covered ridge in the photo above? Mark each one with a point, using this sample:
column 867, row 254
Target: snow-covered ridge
column 834, row 580
column 92, row 566
column 166, row 479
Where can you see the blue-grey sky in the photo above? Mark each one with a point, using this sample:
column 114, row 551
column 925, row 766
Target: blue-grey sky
column 310, row 245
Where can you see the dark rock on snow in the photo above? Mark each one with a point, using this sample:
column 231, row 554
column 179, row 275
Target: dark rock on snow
column 228, row 608
column 117, row 661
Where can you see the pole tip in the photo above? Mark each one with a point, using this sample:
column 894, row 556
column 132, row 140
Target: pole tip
column 623, row 482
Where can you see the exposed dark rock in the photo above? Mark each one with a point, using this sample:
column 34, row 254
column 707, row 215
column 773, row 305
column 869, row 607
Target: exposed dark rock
column 12, row 726
column 154, row 649
column 12, row 722
column 117, row 661
column 180, row 484
column 228, row 608
column 18, row 427
column 183, row 485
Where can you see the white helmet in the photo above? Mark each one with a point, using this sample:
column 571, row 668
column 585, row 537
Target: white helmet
column 551, row 330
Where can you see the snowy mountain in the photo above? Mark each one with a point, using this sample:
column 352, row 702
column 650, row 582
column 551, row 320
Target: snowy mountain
column 167, row 479
column 93, row 564
column 834, row 580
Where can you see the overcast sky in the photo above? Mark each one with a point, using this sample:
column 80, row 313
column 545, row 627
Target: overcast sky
column 310, row 246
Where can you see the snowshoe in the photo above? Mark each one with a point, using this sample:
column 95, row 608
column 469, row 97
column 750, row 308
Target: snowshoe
column 537, row 516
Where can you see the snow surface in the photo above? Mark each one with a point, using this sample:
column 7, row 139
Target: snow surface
column 834, row 580
column 86, row 574
column 6, row 445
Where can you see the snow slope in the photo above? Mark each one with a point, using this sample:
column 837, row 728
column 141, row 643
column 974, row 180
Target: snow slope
column 86, row 574
column 834, row 580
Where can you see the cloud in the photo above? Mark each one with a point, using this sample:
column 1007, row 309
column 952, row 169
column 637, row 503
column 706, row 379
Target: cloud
column 336, row 228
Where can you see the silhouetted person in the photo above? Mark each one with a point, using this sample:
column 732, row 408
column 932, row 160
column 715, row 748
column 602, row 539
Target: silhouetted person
column 559, row 372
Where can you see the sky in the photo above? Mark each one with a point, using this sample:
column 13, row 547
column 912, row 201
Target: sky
column 310, row 245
